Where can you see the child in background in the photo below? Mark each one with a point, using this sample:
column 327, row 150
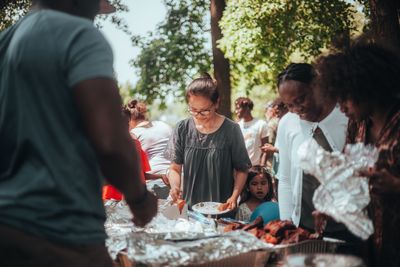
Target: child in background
column 258, row 190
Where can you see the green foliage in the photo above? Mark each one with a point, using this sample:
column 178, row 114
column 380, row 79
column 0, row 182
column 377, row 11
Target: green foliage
column 11, row 11
column 262, row 37
column 176, row 52
column 115, row 18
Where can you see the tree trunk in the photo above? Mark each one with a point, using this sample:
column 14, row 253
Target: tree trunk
column 221, row 64
column 385, row 20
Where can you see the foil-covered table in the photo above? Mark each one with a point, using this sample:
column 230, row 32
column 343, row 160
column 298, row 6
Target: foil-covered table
column 173, row 242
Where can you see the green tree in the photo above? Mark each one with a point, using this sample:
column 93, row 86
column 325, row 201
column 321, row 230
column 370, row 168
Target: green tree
column 262, row 37
column 258, row 38
column 175, row 53
column 13, row 10
column 179, row 52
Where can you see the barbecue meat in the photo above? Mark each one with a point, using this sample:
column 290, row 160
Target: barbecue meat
column 277, row 228
column 258, row 222
column 295, row 236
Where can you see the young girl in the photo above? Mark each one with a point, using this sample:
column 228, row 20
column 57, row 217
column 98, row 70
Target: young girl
column 258, row 190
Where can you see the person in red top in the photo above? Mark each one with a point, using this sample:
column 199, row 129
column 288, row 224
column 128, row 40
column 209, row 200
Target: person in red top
column 109, row 191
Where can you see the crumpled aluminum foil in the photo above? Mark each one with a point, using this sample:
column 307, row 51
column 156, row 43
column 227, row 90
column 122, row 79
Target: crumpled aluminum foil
column 343, row 194
column 145, row 244
column 119, row 221
column 146, row 249
column 118, row 225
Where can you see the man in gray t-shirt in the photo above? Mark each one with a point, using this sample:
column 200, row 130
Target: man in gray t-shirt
column 60, row 131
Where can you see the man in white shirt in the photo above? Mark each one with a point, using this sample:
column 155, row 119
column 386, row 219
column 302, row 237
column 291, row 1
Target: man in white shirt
column 255, row 131
column 310, row 116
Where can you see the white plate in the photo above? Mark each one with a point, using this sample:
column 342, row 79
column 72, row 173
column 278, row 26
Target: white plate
column 209, row 208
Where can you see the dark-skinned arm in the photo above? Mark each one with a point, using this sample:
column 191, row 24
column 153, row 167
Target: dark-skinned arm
column 99, row 104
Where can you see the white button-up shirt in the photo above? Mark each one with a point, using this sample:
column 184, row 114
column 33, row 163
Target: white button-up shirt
column 292, row 132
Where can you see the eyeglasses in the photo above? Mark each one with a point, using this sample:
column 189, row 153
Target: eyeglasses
column 203, row 113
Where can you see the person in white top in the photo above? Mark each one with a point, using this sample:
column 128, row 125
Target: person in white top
column 309, row 117
column 153, row 136
column 255, row 131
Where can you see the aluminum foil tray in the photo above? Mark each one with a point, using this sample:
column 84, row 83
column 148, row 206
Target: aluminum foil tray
column 327, row 245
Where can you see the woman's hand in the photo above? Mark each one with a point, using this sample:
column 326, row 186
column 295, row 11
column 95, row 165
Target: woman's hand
column 382, row 182
column 269, row 149
column 174, row 179
column 232, row 202
column 175, row 194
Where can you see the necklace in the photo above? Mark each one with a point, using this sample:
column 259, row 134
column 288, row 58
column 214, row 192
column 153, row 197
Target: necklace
column 202, row 137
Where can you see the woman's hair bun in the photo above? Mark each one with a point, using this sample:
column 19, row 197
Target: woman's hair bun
column 132, row 103
column 135, row 109
column 204, row 86
column 206, row 75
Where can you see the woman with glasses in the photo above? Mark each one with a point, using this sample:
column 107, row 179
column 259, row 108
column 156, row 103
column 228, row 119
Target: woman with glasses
column 207, row 150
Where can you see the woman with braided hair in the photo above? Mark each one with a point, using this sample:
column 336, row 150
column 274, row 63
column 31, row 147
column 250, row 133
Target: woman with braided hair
column 311, row 116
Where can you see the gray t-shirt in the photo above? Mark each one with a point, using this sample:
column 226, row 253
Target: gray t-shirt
column 50, row 181
column 208, row 160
